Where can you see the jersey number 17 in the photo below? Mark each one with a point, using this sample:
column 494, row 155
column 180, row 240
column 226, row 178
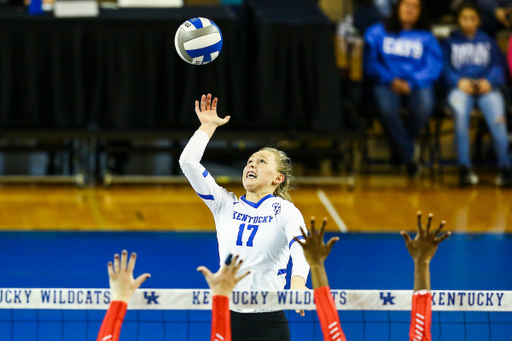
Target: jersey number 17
column 252, row 228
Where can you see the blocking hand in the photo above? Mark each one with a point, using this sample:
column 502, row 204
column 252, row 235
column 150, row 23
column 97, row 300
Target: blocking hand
column 424, row 246
column 223, row 281
column 122, row 283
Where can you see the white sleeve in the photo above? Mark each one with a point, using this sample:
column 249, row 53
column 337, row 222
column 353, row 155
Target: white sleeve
column 201, row 180
column 293, row 222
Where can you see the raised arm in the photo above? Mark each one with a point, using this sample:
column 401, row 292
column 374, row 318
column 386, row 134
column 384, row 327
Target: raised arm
column 200, row 179
column 122, row 287
column 422, row 249
column 222, row 284
column 316, row 252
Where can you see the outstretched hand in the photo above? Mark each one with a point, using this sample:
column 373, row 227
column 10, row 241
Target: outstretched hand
column 313, row 245
column 207, row 111
column 223, row 281
column 424, row 246
column 122, row 283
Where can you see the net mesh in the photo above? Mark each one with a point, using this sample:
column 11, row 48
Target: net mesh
column 185, row 315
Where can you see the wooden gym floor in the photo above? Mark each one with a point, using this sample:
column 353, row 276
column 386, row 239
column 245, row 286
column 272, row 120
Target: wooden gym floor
column 378, row 204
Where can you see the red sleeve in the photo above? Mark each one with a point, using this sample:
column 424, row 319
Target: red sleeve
column 328, row 316
column 112, row 322
column 421, row 316
column 221, row 319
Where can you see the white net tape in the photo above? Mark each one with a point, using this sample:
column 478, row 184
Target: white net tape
column 199, row 299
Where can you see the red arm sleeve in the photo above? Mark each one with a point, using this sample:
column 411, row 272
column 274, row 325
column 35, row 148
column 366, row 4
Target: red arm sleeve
column 421, row 316
column 221, row 319
column 112, row 322
column 328, row 316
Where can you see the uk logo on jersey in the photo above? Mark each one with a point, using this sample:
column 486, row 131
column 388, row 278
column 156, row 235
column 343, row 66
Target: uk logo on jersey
column 277, row 208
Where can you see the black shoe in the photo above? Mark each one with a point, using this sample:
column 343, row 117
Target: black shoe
column 414, row 169
column 467, row 177
column 504, row 179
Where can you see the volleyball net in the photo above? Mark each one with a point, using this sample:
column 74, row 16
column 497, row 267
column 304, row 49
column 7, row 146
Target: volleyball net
column 184, row 314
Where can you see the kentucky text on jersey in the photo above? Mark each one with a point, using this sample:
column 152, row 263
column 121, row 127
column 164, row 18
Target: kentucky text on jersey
column 467, row 298
column 471, row 54
column 249, row 219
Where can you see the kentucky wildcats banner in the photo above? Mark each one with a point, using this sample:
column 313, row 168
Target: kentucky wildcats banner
column 199, row 299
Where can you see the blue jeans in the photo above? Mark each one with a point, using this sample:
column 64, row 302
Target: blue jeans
column 492, row 106
column 403, row 133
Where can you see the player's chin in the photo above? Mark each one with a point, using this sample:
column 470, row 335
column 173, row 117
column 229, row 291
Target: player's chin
column 249, row 184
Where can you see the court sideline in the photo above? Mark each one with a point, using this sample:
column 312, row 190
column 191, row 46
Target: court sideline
column 384, row 206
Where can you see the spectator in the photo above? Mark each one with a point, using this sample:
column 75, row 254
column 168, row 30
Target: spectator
column 496, row 15
column 404, row 60
column 474, row 70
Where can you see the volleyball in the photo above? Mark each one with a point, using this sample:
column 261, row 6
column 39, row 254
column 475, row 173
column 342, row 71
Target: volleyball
column 198, row 41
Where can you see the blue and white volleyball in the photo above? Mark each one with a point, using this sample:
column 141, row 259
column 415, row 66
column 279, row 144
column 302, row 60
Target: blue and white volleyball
column 198, row 41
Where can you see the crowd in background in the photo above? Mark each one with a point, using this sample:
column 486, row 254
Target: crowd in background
column 407, row 66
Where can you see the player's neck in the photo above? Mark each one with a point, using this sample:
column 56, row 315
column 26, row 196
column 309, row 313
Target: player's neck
column 256, row 196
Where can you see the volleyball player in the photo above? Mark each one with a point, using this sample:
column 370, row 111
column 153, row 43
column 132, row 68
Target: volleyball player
column 260, row 226
column 422, row 248
column 123, row 285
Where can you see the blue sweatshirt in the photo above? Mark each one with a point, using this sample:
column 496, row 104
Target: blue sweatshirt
column 475, row 58
column 414, row 56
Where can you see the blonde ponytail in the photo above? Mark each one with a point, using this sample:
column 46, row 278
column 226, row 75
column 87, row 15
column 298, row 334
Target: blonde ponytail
column 285, row 167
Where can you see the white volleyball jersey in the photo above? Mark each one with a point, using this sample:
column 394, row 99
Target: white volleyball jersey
column 261, row 233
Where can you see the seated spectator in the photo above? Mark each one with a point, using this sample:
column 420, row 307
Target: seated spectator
column 473, row 72
column 422, row 249
column 404, row 60
column 123, row 286
column 496, row 15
